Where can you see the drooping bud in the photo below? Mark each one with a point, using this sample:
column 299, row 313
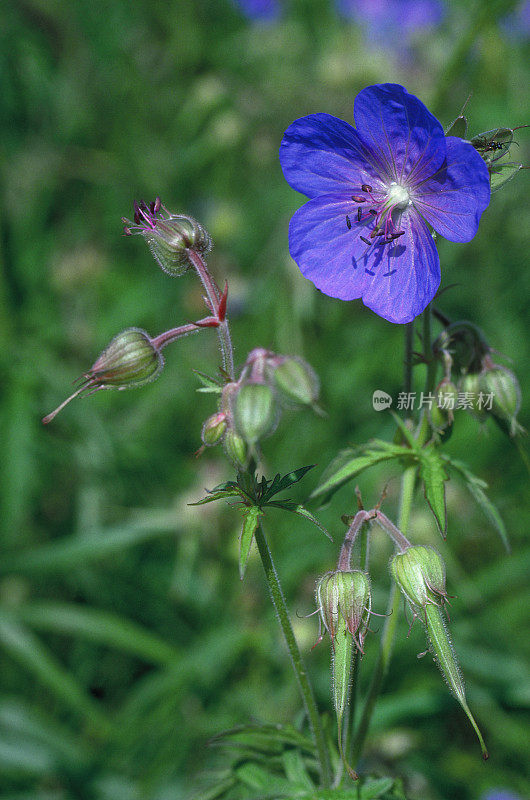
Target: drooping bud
column 343, row 599
column 131, row 359
column 295, row 380
column 471, row 396
column 255, row 413
column 419, row 572
column 236, row 449
column 502, row 386
column 169, row 236
column 214, row 429
column 467, row 345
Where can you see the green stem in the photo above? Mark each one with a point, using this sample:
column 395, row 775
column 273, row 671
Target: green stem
column 387, row 639
column 306, row 691
column 409, row 344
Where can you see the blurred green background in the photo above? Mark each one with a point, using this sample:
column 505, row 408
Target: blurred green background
column 126, row 637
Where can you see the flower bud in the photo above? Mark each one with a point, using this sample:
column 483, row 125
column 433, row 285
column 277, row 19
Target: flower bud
column 236, row 449
column 419, row 572
column 343, row 599
column 169, row 236
column 254, row 411
column 295, row 380
column 131, row 359
column 502, row 386
column 471, row 396
column 446, row 400
column 214, row 429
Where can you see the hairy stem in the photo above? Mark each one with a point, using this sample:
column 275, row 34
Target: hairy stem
column 302, row 678
column 213, row 296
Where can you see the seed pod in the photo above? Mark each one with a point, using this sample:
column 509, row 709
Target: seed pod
column 419, row 572
column 254, row 411
column 343, row 599
column 295, row 380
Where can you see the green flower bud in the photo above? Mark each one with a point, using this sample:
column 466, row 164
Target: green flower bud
column 471, row 395
column 343, row 599
column 131, row 359
column 214, row 429
column 502, row 387
column 236, row 449
column 170, row 237
column 419, row 572
column 295, row 380
column 254, row 411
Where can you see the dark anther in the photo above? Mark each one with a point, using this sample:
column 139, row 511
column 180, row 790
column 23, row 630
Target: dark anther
column 366, row 188
column 359, row 214
column 365, row 240
column 357, row 199
column 393, row 236
column 348, row 222
column 372, row 211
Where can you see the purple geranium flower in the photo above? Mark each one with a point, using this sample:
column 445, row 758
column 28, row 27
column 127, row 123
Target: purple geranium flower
column 372, row 190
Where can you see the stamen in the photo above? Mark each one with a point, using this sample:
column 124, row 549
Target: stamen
column 357, row 199
column 359, row 214
column 348, row 222
column 366, row 188
column 365, row 240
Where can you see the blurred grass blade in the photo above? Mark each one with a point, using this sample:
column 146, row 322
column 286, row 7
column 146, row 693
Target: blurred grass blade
column 29, row 651
column 76, row 551
column 98, row 626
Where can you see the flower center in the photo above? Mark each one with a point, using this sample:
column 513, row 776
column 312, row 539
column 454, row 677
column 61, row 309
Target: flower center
column 381, row 213
column 398, row 197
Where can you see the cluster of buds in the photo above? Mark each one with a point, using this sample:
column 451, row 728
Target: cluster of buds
column 474, row 381
column 250, row 407
column 419, row 571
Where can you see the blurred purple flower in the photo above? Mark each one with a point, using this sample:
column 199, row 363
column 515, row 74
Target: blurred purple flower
column 499, row 794
column 383, row 18
column 266, row 10
column 372, row 190
column 517, row 24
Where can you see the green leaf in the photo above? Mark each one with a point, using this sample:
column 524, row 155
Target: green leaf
column 274, row 786
column 296, row 770
column 500, row 174
column 287, row 505
column 217, row 496
column 210, row 384
column 265, row 738
column 280, row 483
column 476, row 486
column 376, row 788
column 350, row 463
column 434, row 476
column 250, row 523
